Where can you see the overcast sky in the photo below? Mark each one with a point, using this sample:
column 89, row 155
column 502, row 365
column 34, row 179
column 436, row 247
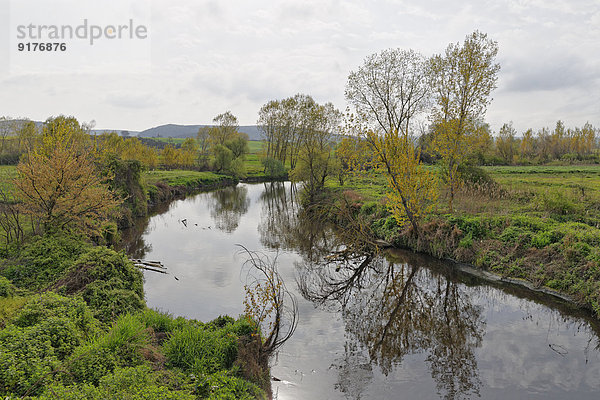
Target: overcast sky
column 204, row 57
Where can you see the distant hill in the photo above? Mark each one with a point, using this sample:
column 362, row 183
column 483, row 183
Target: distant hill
column 185, row 131
column 166, row 131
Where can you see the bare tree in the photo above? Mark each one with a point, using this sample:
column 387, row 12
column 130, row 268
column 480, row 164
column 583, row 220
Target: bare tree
column 268, row 302
column 389, row 89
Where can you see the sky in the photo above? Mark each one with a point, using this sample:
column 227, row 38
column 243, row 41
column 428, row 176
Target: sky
column 201, row 58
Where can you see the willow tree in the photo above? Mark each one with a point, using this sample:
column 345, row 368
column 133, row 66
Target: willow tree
column 463, row 79
column 389, row 91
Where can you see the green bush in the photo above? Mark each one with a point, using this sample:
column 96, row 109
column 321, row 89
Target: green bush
column 224, row 386
column 44, row 260
column 133, row 383
column 273, row 168
column 201, row 350
column 50, row 304
column 119, row 347
column 46, row 331
column 6, row 287
column 161, row 321
column 109, row 283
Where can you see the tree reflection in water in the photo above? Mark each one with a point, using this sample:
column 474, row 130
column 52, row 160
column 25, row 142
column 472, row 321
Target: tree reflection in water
column 285, row 225
column 390, row 309
column 227, row 206
column 394, row 309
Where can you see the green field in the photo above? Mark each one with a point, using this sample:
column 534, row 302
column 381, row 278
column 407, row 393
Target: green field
column 182, row 178
column 7, row 174
column 540, row 224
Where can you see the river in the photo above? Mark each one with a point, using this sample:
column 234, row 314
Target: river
column 397, row 326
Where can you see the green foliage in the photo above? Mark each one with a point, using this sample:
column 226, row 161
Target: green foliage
column 109, row 283
column 161, row 322
column 119, row 347
column 201, row 350
column 238, row 145
column 47, row 305
column 273, row 168
column 44, row 260
column 222, row 158
column 46, row 331
column 224, row 386
column 6, row 287
column 132, row 383
column 473, row 175
column 9, row 307
column 126, row 183
column 559, row 203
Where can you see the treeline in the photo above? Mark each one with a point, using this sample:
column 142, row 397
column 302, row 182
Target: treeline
column 301, row 132
column 220, row 148
column 560, row 145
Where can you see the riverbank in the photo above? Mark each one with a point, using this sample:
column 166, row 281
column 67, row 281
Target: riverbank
column 74, row 324
column 536, row 226
column 164, row 186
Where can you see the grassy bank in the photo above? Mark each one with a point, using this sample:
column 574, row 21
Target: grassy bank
column 74, row 325
column 163, row 186
column 537, row 224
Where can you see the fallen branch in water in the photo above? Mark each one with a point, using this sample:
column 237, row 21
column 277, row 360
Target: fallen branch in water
column 154, row 266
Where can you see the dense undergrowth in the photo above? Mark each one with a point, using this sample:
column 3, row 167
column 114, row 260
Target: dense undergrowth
column 75, row 326
column 540, row 226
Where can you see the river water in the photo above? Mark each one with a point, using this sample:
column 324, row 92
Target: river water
column 399, row 326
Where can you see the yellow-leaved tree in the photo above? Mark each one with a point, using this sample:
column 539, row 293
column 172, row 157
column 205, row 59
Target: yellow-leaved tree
column 414, row 188
column 463, row 79
column 59, row 183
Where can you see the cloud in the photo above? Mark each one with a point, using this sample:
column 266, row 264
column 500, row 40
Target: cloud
column 550, row 73
column 133, row 100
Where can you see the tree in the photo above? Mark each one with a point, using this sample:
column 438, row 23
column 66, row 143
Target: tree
column 27, row 135
column 506, row 143
column 189, row 152
column 413, row 188
column 203, row 141
column 315, row 147
column 223, row 157
column 62, row 186
column 226, row 128
column 7, row 126
column 284, row 124
column 527, row 145
column 463, row 79
column 389, row 89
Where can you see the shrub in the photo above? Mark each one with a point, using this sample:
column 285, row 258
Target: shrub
column 46, row 331
column 50, row 304
column 137, row 383
column 161, row 321
column 224, row 386
column 119, row 347
column 109, row 283
column 6, row 287
column 200, row 350
column 44, row 260
column 273, row 168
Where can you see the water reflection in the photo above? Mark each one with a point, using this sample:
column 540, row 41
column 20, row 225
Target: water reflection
column 394, row 308
column 285, row 225
column 370, row 326
column 227, row 207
